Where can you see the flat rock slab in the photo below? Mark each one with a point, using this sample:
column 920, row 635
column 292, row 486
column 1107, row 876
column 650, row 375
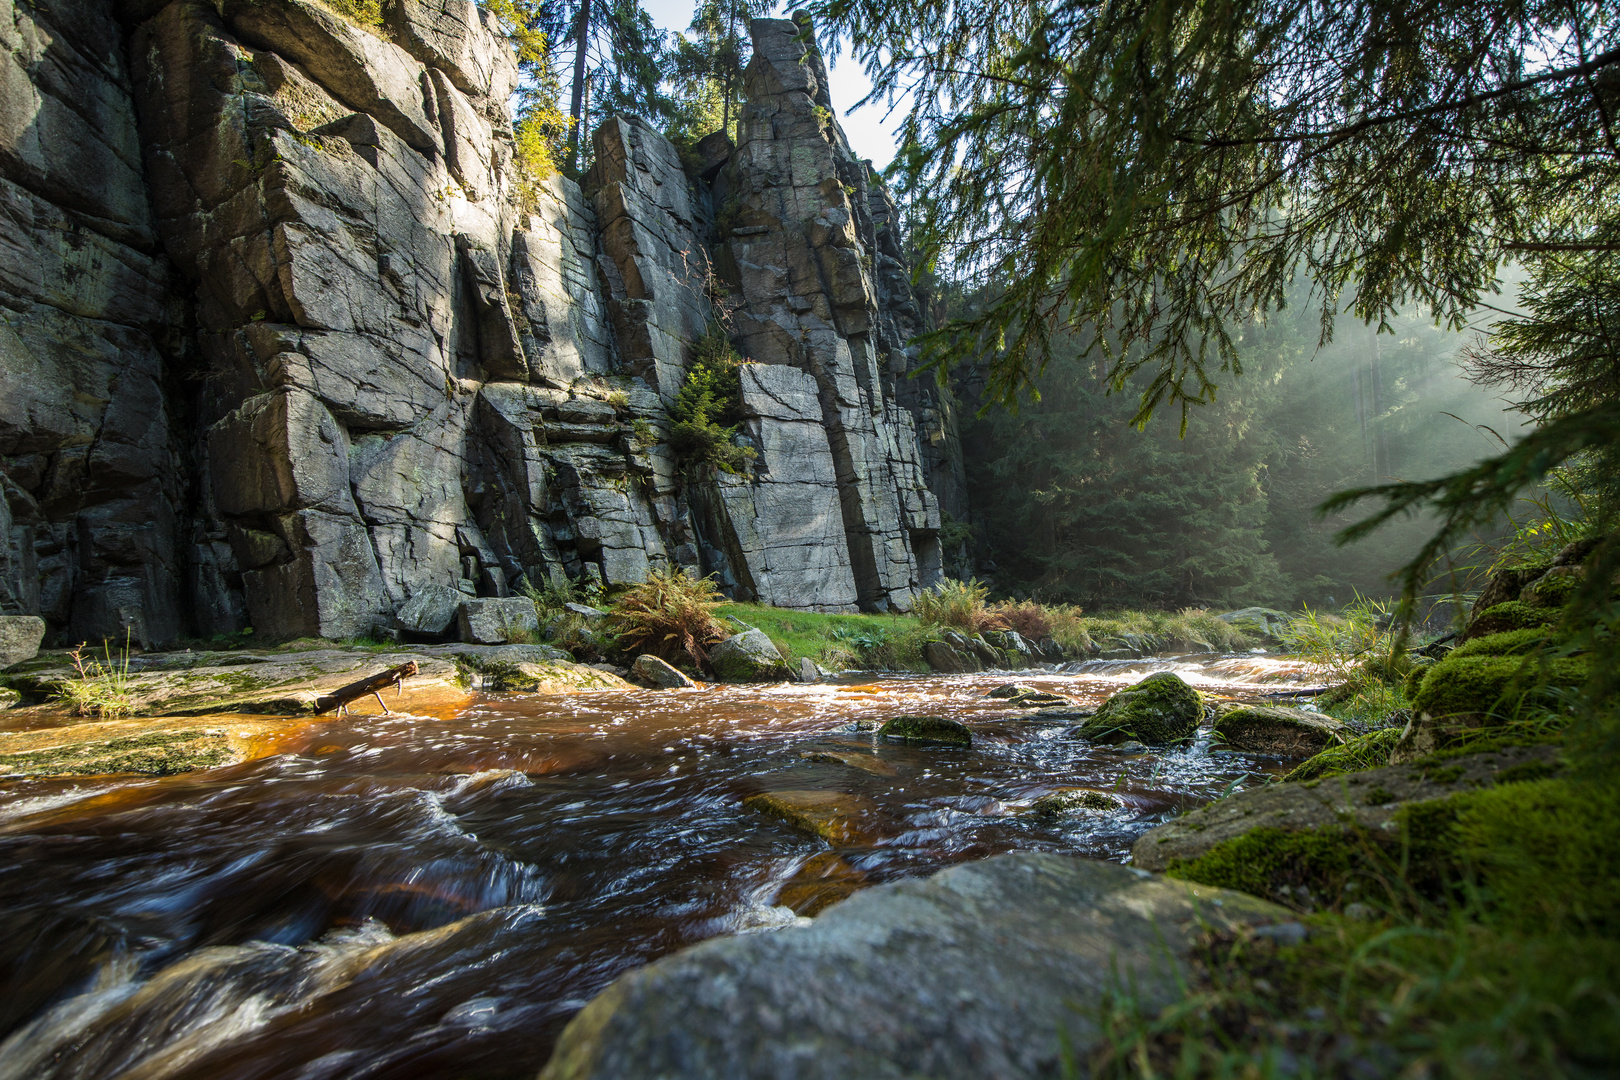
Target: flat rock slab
column 1368, row 799
column 853, row 758
column 979, row 972
column 835, row 816
column 153, row 747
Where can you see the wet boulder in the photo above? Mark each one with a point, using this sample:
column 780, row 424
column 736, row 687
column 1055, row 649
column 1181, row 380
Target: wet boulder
column 750, row 656
column 20, row 636
column 654, row 672
column 1257, row 622
column 947, row 659
column 995, row 968
column 1158, row 710
column 927, row 729
column 1065, row 801
column 497, row 620
column 1277, row 731
column 1018, row 694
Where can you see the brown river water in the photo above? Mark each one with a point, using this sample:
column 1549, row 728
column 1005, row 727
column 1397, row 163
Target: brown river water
column 405, row 896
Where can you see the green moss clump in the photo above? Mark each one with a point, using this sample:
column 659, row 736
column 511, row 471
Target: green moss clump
column 1158, row 710
column 1494, row 685
column 928, row 729
column 1507, row 643
column 1513, row 615
column 1058, row 803
column 1273, row 863
column 1370, row 751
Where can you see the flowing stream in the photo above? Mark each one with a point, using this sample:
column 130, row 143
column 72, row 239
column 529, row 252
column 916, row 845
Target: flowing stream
column 409, row 896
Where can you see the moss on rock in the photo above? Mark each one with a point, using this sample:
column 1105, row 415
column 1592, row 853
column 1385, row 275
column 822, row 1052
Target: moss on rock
column 1513, row 615
column 927, row 729
column 1270, row 729
column 1158, row 710
column 1068, row 800
column 1507, row 643
column 1369, row 751
column 1494, row 685
column 155, row 753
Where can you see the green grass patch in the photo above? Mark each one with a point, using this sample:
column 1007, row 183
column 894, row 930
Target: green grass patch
column 837, row 642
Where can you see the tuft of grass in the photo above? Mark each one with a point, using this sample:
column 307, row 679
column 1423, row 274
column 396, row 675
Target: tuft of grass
column 961, row 605
column 367, row 14
column 99, row 688
column 669, row 615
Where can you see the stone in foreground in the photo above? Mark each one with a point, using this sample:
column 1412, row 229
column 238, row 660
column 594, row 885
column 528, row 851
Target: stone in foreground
column 835, row 816
column 748, row 657
column 20, row 636
column 655, row 672
column 927, row 729
column 1280, row 732
column 983, row 970
column 1158, row 710
column 494, row 621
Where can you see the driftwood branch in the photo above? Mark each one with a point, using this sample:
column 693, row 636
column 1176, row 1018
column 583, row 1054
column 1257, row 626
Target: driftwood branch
column 340, row 698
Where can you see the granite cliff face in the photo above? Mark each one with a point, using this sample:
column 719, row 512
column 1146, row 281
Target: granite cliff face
column 286, row 343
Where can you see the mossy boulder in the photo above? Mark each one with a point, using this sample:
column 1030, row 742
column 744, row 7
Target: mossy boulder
column 1369, row 751
column 1158, row 710
column 1513, row 615
column 1322, row 835
column 148, row 746
column 1028, row 696
column 1508, row 643
column 1487, row 686
column 927, row 729
column 1278, row 731
column 1065, row 801
column 1257, row 622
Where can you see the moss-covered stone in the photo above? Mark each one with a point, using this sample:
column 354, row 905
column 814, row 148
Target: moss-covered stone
column 1063, row 801
column 548, row 677
column 1158, row 710
column 157, row 753
column 1369, row 751
column 927, row 729
column 1507, row 643
column 1495, row 685
column 1278, row 731
column 1513, row 615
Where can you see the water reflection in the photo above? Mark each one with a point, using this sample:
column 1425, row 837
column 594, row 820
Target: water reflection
column 411, row 897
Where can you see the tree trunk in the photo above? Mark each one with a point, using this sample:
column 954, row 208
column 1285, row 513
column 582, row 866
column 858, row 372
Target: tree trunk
column 355, row 690
column 576, row 105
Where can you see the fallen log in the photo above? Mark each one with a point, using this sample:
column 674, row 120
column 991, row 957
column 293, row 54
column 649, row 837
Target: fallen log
column 339, row 699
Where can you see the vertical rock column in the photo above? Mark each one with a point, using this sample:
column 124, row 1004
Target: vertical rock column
column 790, row 208
column 92, row 527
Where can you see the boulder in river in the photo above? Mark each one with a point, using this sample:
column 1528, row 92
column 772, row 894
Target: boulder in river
column 1158, row 710
column 657, row 673
column 927, row 729
column 947, row 659
column 835, row 816
column 1278, row 731
column 1019, row 694
column 1071, row 800
column 750, row 656
column 996, row 968
column 20, row 636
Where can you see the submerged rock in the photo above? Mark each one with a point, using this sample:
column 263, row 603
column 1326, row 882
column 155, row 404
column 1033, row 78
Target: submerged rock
column 655, row 672
column 997, row 968
column 824, row 879
column 835, row 816
column 1160, row 709
column 1069, row 800
column 865, row 762
column 151, row 747
column 1019, row 694
column 750, row 656
column 1275, row 730
column 927, row 729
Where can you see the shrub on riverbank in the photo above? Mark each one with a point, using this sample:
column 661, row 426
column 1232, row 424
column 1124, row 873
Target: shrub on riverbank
column 669, row 615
